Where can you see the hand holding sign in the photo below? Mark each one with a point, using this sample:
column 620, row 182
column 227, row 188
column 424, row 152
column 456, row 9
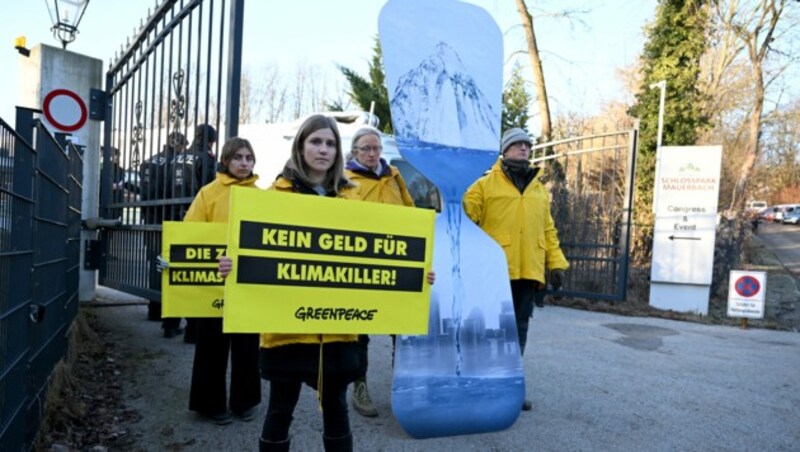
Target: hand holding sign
column 322, row 265
column 225, row 266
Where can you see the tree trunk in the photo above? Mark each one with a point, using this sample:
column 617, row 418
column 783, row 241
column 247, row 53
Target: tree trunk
column 538, row 73
column 751, row 151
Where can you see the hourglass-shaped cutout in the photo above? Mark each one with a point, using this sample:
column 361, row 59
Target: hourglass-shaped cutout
column 444, row 66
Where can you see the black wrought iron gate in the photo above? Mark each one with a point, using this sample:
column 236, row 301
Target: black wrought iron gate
column 591, row 182
column 182, row 69
column 179, row 74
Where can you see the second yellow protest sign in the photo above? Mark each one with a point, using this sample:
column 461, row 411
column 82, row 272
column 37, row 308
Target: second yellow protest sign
column 309, row 264
column 191, row 285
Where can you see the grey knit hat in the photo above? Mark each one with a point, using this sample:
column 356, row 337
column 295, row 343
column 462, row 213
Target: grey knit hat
column 512, row 136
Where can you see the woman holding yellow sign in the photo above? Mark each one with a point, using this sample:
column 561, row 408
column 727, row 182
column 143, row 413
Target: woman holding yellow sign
column 208, row 393
column 377, row 182
column 326, row 362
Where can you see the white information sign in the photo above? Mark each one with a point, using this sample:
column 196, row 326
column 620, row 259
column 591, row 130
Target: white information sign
column 686, row 210
column 746, row 294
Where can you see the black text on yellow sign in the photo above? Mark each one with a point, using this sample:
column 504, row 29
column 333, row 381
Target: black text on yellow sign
column 313, row 264
column 195, row 276
column 199, row 253
column 294, row 272
column 191, row 286
column 304, row 239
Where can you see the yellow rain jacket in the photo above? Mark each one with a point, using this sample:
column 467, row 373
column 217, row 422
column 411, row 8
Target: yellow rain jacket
column 212, row 202
column 270, row 340
column 519, row 222
column 390, row 189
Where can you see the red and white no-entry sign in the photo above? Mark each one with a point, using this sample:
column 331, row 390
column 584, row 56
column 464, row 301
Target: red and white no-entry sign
column 65, row 110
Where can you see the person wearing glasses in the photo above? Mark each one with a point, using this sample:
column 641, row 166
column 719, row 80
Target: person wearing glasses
column 377, row 182
column 512, row 205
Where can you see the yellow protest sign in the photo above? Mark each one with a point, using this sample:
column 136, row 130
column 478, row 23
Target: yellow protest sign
column 310, row 264
column 191, row 286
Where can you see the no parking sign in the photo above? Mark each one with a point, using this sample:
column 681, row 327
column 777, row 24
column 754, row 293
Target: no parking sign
column 746, row 291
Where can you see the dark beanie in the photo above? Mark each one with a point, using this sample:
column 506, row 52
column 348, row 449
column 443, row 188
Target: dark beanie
column 512, row 136
column 207, row 132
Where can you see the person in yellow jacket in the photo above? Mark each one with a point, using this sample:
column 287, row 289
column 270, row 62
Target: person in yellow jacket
column 316, row 167
column 512, row 205
column 377, row 182
column 207, row 395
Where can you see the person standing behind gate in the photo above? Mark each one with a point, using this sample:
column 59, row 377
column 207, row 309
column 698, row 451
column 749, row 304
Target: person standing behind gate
column 512, row 205
column 194, row 168
column 156, row 184
column 190, row 171
column 377, row 182
column 207, row 396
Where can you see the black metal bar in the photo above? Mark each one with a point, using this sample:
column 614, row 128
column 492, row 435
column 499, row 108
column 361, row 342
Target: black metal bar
column 234, row 69
column 627, row 212
column 183, row 13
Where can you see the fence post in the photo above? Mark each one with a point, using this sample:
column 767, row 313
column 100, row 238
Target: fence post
column 234, row 69
column 627, row 212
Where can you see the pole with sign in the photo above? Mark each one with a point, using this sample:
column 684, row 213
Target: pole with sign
column 685, row 227
column 746, row 298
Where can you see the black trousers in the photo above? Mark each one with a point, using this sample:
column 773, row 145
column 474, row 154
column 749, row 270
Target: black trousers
column 208, row 392
column 283, row 396
column 363, row 354
column 523, row 291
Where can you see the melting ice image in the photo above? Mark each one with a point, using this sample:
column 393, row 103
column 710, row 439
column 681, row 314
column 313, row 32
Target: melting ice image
column 445, row 86
column 438, row 102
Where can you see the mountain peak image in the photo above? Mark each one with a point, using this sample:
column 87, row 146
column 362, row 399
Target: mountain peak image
column 439, row 102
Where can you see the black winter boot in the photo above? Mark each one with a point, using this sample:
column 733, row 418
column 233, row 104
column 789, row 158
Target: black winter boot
column 343, row 444
column 269, row 446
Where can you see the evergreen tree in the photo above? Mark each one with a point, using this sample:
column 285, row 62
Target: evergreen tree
column 364, row 92
column 675, row 43
column 516, row 100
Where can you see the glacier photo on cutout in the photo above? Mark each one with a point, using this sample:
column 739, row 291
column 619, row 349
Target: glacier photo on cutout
column 443, row 64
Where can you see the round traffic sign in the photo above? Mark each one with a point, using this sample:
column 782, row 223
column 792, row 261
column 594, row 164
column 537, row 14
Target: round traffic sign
column 65, row 110
column 747, row 286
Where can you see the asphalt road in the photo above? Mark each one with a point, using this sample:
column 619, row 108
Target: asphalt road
column 784, row 241
column 598, row 382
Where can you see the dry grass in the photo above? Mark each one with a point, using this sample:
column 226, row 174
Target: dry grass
column 84, row 406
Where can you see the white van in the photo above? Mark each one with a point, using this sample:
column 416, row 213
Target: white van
column 756, row 206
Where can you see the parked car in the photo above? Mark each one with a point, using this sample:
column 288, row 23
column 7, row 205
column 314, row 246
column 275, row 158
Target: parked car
column 792, row 217
column 783, row 209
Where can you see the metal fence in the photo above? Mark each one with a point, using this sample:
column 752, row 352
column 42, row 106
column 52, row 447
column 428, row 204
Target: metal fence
column 591, row 182
column 40, row 221
column 181, row 69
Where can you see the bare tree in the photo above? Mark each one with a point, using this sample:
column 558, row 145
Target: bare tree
column 756, row 27
column 275, row 94
column 538, row 72
column 246, row 98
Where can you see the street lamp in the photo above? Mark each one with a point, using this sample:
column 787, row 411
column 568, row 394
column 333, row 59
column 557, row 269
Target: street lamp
column 66, row 15
column 663, row 85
